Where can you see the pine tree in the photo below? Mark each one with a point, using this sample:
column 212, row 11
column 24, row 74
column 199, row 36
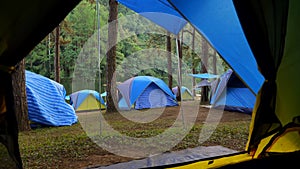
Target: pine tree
column 111, row 56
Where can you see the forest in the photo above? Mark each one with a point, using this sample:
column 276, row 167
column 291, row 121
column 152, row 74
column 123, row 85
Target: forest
column 139, row 51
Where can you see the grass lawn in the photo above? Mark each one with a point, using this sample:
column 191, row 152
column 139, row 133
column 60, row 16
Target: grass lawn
column 70, row 147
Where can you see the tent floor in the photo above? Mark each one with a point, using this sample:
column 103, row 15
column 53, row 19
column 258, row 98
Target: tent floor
column 186, row 155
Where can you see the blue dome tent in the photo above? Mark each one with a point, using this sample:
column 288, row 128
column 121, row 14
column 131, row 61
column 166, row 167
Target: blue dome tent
column 143, row 92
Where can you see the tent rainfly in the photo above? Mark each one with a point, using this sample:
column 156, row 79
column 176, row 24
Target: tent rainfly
column 46, row 102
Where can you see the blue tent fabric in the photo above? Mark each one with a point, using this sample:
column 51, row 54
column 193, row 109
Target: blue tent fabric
column 159, row 12
column 232, row 95
column 218, row 22
column 46, row 102
column 145, row 92
column 154, row 97
column 122, row 104
column 204, row 76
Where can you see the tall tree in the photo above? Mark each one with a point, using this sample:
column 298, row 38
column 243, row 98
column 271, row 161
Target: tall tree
column 19, row 90
column 169, row 54
column 179, row 50
column 56, row 57
column 111, row 56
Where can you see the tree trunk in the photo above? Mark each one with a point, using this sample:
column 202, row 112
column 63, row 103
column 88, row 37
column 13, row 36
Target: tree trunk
column 20, row 99
column 8, row 122
column 111, row 57
column 179, row 50
column 56, row 58
column 204, row 91
column 169, row 55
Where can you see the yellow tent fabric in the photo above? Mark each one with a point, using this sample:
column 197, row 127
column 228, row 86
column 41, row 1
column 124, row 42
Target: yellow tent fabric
column 86, row 100
column 216, row 162
column 276, row 119
column 90, row 103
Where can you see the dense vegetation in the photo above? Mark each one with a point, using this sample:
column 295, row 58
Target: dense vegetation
column 79, row 56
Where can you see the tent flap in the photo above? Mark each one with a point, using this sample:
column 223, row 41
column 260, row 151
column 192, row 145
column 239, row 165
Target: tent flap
column 218, row 22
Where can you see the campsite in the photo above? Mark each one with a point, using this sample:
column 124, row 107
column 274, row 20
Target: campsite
column 106, row 84
column 76, row 150
column 141, row 98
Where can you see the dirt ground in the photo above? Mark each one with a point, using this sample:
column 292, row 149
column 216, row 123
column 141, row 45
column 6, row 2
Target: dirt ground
column 99, row 157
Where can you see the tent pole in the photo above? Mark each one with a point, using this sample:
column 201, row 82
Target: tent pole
column 99, row 60
column 179, row 56
column 193, row 64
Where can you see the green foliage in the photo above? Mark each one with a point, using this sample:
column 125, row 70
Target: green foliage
column 79, row 55
column 76, row 30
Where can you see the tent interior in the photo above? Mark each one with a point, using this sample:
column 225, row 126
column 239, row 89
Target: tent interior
column 264, row 54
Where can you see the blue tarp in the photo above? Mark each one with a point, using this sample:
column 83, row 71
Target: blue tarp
column 159, row 12
column 46, row 102
column 217, row 21
column 145, row 92
column 232, row 95
column 204, row 76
